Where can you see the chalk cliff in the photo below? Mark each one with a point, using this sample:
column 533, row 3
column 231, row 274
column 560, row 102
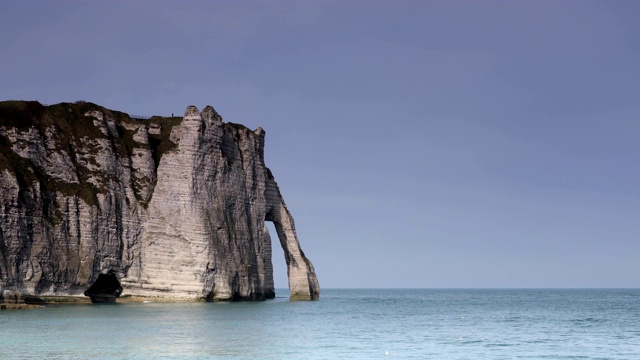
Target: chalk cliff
column 172, row 207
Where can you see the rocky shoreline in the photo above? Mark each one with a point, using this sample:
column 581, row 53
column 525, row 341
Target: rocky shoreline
column 20, row 306
column 42, row 301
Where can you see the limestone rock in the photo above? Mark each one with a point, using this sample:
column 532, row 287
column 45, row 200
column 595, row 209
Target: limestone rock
column 169, row 207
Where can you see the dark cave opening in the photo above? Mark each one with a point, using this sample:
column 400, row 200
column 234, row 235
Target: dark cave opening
column 105, row 290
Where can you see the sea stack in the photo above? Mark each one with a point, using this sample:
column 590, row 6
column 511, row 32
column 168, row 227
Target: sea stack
column 166, row 207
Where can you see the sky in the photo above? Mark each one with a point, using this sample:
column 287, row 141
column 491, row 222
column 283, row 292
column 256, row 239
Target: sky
column 418, row 144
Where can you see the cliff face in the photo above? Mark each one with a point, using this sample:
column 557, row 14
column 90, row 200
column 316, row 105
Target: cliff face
column 173, row 207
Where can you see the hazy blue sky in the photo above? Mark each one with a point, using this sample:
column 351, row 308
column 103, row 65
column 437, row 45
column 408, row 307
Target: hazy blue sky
column 417, row 143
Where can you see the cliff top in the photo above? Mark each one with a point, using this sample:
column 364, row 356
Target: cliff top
column 72, row 125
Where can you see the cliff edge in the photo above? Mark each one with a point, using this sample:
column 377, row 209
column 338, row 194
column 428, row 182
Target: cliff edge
column 167, row 207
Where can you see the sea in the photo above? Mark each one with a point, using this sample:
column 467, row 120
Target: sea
column 343, row 324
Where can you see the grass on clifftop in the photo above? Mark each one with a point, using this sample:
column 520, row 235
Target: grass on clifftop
column 72, row 129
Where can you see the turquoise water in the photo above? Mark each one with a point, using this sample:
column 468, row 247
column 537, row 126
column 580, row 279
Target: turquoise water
column 344, row 324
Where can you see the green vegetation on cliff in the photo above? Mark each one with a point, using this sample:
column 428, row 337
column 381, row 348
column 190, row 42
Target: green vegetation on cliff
column 72, row 133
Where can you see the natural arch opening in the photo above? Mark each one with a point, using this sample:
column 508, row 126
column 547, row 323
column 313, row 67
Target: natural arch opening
column 303, row 283
column 106, row 289
column 280, row 275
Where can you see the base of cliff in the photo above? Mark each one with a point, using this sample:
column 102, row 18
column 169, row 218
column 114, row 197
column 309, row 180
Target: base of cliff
column 44, row 300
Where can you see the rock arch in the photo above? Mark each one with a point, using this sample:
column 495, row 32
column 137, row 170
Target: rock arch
column 303, row 283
